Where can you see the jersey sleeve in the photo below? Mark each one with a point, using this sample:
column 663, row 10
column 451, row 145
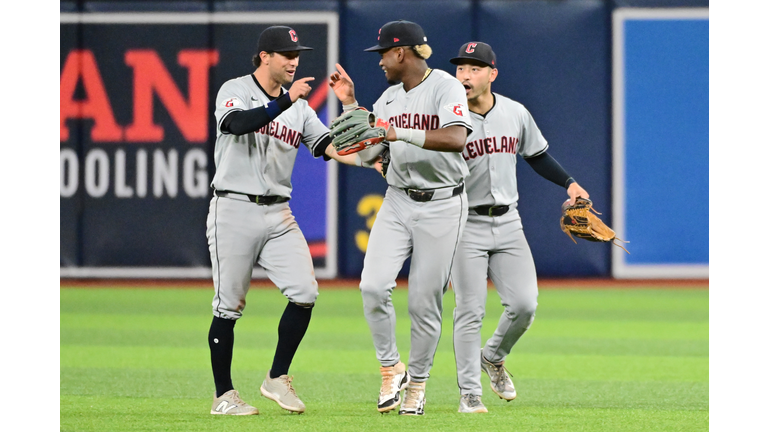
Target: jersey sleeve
column 231, row 97
column 532, row 142
column 314, row 129
column 452, row 106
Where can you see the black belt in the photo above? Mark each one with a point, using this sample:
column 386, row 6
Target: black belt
column 490, row 210
column 258, row 199
column 423, row 195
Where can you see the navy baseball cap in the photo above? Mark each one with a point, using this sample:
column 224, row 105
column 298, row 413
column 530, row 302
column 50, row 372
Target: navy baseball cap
column 279, row 39
column 399, row 33
column 477, row 51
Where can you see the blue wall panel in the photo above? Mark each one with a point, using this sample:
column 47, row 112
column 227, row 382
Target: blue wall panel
column 667, row 141
column 553, row 57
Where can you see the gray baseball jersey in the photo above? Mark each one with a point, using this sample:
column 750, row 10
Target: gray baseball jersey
column 494, row 246
column 261, row 163
column 438, row 102
column 428, row 231
column 507, row 130
column 240, row 231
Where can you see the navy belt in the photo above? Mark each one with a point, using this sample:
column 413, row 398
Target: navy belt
column 424, row 195
column 490, row 210
column 258, row 199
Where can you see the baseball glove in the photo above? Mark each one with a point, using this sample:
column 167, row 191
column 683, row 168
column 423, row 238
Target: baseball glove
column 357, row 130
column 580, row 220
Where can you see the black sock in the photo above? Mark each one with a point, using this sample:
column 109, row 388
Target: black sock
column 221, row 339
column 293, row 325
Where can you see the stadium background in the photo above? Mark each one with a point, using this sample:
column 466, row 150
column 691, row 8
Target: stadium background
column 555, row 57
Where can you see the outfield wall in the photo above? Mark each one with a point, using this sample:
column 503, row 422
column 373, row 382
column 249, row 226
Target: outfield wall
column 137, row 129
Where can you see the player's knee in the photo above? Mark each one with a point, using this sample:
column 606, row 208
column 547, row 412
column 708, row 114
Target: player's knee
column 469, row 316
column 375, row 298
column 522, row 310
column 426, row 307
column 304, row 299
column 225, row 313
column 304, row 293
column 371, row 291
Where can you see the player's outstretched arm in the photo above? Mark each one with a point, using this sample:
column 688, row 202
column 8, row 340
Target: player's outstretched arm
column 247, row 121
column 369, row 158
column 330, row 151
column 342, row 86
column 448, row 139
column 546, row 166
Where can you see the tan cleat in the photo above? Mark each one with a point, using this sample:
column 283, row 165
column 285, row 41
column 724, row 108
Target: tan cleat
column 281, row 391
column 393, row 380
column 230, row 404
column 415, row 399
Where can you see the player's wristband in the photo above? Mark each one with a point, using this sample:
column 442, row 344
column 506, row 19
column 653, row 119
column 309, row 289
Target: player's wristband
column 416, row 137
column 569, row 182
column 277, row 106
column 350, row 107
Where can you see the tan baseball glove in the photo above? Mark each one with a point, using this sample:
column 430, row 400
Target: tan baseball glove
column 580, row 220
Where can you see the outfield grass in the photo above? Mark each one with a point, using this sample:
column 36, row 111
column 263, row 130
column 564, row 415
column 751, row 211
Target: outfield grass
column 594, row 360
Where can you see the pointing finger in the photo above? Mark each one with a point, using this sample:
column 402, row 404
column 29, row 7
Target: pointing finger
column 342, row 71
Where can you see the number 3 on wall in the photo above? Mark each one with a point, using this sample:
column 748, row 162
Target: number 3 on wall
column 368, row 207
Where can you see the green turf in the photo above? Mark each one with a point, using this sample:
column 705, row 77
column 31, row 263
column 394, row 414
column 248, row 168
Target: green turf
column 594, row 360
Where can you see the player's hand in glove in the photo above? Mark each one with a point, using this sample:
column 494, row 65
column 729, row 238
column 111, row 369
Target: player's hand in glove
column 357, row 130
column 580, row 220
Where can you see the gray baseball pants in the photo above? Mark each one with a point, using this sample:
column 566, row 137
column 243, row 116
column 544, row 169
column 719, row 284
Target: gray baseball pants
column 241, row 233
column 428, row 232
column 496, row 247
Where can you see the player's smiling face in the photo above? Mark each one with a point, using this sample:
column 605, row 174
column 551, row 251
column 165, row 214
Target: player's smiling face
column 390, row 65
column 476, row 78
column 282, row 66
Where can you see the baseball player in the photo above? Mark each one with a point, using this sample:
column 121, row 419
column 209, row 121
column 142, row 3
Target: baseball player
column 259, row 127
column 424, row 209
column 493, row 243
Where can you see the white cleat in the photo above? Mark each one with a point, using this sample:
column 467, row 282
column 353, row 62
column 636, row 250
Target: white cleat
column 230, row 404
column 501, row 382
column 393, row 380
column 415, row 399
column 281, row 391
column 471, row 404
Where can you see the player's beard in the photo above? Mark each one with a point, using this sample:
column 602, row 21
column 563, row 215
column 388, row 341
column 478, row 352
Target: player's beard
column 284, row 78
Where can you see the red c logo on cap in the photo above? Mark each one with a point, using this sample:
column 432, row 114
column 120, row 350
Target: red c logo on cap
column 293, row 36
column 471, row 47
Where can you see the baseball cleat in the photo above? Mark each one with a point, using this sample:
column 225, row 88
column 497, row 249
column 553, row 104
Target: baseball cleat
column 501, row 382
column 414, row 400
column 471, row 404
column 230, row 404
column 393, row 380
column 281, row 391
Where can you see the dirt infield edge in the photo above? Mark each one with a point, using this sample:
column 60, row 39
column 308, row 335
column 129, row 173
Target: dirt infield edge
column 577, row 283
